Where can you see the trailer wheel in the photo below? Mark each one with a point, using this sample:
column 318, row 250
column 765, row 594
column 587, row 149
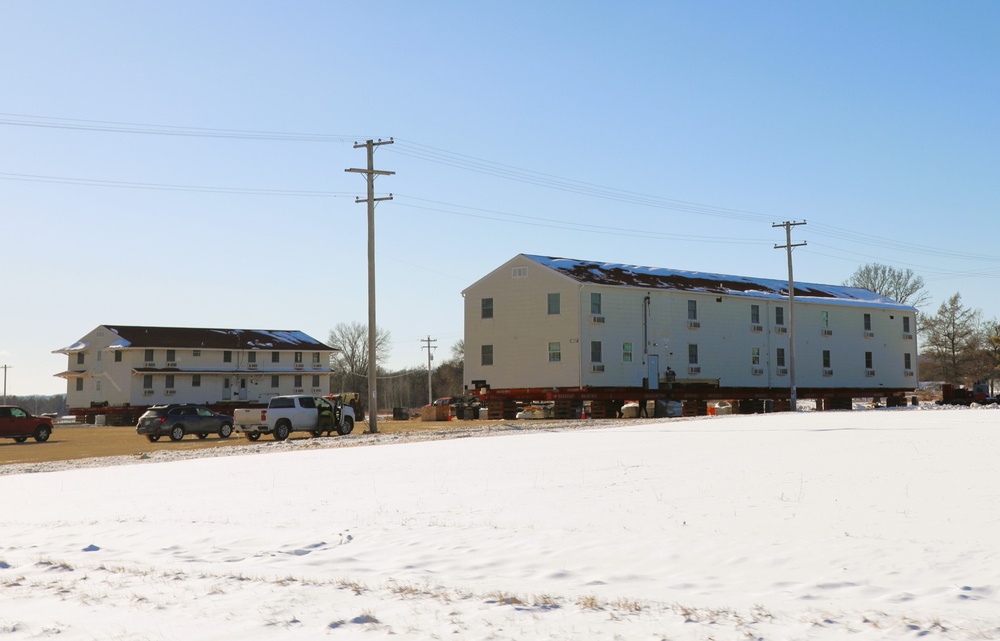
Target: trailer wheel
column 316, row 433
column 252, row 436
column 152, row 438
column 347, row 427
column 282, row 430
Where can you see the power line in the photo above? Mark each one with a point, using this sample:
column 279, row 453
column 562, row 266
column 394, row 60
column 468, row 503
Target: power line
column 461, row 161
column 90, row 182
column 47, row 122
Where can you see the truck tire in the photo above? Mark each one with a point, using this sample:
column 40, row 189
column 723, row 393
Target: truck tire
column 281, row 430
column 347, row 427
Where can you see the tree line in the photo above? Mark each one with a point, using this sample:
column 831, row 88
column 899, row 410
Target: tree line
column 405, row 388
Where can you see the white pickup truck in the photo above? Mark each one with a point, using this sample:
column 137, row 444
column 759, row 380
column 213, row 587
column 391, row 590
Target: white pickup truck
column 298, row 413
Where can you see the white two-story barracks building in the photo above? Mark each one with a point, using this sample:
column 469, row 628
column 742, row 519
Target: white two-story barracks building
column 120, row 366
column 538, row 322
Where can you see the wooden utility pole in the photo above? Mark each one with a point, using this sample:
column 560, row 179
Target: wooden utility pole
column 370, row 174
column 430, row 357
column 791, row 305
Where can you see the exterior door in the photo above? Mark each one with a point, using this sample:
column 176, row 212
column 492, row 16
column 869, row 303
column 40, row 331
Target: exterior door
column 227, row 389
column 243, row 389
column 653, row 361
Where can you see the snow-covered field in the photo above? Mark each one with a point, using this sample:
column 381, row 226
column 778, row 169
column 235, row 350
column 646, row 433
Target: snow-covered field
column 878, row 524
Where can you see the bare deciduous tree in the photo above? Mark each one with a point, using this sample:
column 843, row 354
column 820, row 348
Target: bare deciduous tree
column 351, row 363
column 901, row 285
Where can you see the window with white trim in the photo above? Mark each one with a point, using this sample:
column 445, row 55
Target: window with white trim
column 555, row 352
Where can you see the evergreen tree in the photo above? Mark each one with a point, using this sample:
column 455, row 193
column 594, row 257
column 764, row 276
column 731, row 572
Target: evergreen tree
column 952, row 345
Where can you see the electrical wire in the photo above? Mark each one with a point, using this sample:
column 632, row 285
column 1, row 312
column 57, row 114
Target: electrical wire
column 47, row 122
column 89, row 182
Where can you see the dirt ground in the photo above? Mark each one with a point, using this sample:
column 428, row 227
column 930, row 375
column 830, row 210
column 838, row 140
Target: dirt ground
column 70, row 442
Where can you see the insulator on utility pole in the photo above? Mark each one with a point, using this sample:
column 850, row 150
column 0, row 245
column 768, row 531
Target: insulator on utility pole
column 370, row 175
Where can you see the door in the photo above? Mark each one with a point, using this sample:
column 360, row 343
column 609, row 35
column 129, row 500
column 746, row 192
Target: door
column 6, row 422
column 243, row 389
column 227, row 389
column 653, row 361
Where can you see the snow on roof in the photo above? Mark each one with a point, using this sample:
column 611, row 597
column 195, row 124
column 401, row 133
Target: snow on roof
column 639, row 276
column 75, row 347
column 211, row 338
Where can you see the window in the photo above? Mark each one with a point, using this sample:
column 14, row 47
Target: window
column 227, row 356
column 148, row 355
column 826, row 358
column 755, row 356
column 315, row 358
column 118, row 356
column 595, row 302
column 868, row 360
column 196, row 380
column 486, row 355
column 692, row 310
column 520, row 272
column 755, row 314
column 555, row 352
column 779, row 315
column 275, row 357
column 79, row 384
column 868, row 322
column 298, row 382
column 906, row 324
column 553, row 304
column 779, row 358
column 824, row 319
column 906, row 361
column 692, row 354
column 595, row 351
column 626, row 352
column 97, row 385
column 196, row 353
column 147, row 381
column 315, row 380
column 487, row 308
column 98, row 356
column 170, row 381
column 298, row 357
column 274, row 380
column 171, row 355
column 80, row 358
column 251, row 357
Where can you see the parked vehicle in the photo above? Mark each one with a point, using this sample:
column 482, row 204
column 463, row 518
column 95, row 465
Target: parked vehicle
column 297, row 413
column 179, row 419
column 19, row 424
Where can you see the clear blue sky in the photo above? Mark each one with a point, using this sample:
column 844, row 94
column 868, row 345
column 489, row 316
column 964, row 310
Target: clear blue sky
column 669, row 134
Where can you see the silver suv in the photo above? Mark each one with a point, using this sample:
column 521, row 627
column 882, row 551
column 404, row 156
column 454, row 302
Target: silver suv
column 177, row 420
